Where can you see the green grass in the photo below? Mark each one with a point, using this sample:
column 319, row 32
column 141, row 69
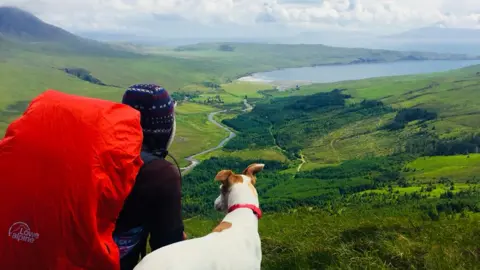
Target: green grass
column 22, row 82
column 352, row 229
column 231, row 94
column 271, row 56
column 194, row 108
column 308, row 238
column 25, row 74
column 269, row 154
column 460, row 168
column 355, row 140
column 249, row 89
column 436, row 192
column 453, row 95
column 226, row 97
column 28, row 72
column 194, row 133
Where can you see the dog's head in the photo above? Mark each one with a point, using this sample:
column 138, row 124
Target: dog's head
column 229, row 180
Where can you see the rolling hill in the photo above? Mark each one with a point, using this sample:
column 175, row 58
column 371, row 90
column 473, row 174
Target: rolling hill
column 19, row 24
column 275, row 56
column 28, row 31
column 375, row 173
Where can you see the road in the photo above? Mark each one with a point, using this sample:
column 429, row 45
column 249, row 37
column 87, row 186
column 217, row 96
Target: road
column 193, row 161
column 248, row 107
column 302, row 159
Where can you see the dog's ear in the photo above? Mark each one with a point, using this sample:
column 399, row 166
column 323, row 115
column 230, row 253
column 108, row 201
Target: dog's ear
column 252, row 170
column 223, row 175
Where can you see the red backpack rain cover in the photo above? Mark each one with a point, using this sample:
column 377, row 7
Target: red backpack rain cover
column 66, row 167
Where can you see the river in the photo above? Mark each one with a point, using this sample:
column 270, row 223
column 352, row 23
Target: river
column 336, row 73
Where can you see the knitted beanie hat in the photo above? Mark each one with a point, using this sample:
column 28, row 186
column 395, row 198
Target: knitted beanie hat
column 156, row 109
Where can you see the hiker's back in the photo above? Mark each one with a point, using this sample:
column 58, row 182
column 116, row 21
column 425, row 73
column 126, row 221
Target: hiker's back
column 67, row 166
column 152, row 207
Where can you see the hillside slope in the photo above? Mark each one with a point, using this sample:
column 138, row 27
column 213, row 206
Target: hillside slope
column 390, row 180
column 359, row 136
column 450, row 95
column 282, row 55
column 16, row 23
column 32, row 33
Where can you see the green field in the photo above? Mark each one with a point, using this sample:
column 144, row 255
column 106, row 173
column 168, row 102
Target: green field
column 461, row 168
column 29, row 70
column 390, row 179
column 269, row 154
column 453, row 95
column 362, row 239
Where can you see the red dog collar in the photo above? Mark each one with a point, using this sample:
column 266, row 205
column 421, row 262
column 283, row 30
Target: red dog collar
column 254, row 208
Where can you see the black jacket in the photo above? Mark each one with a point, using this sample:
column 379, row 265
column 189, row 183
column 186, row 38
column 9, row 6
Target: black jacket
column 154, row 205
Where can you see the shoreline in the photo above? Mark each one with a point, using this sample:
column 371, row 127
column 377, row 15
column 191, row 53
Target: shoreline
column 351, row 63
column 282, row 85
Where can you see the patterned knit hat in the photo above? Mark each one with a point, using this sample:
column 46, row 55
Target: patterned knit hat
column 156, row 108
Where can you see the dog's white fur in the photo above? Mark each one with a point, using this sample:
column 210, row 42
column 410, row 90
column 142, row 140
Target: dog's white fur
column 234, row 248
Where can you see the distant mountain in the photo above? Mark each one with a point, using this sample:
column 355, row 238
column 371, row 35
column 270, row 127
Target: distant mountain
column 438, row 33
column 19, row 24
column 22, row 27
column 146, row 40
column 436, row 38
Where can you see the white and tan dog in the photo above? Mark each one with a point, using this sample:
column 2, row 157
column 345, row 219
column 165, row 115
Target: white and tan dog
column 233, row 245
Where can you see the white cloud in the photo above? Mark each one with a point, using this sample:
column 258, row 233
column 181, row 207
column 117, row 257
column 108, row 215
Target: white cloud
column 148, row 15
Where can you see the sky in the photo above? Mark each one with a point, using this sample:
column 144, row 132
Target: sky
column 181, row 18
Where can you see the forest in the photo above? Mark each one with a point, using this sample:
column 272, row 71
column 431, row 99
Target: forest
column 290, row 123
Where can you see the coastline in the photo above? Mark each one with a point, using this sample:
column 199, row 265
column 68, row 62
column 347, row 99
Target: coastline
column 282, row 85
column 351, row 63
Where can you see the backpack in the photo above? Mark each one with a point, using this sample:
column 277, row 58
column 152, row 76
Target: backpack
column 66, row 165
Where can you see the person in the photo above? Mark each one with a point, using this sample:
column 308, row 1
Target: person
column 154, row 205
column 82, row 156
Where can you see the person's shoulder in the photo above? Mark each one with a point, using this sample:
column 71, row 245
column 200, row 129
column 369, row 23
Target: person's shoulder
column 163, row 168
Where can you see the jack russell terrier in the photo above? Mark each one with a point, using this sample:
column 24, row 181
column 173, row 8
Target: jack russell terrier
column 233, row 245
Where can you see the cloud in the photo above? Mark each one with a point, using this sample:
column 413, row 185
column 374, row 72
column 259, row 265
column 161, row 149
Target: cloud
column 148, row 15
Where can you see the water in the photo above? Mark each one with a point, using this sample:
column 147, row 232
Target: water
column 335, row 73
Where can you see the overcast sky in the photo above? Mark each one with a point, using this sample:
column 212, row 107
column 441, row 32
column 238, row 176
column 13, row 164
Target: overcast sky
column 243, row 17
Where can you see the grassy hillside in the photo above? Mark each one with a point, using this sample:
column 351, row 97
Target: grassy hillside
column 360, row 215
column 376, row 174
column 390, row 179
column 389, row 238
column 32, row 68
column 450, row 95
column 249, row 57
column 29, row 32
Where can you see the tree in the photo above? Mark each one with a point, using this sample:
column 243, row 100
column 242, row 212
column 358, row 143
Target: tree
column 226, row 48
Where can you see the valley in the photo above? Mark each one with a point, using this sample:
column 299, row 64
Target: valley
column 378, row 173
column 387, row 170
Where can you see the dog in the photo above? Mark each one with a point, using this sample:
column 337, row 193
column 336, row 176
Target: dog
column 233, row 245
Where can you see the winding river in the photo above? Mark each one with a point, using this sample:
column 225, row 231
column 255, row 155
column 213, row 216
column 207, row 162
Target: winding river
column 193, row 161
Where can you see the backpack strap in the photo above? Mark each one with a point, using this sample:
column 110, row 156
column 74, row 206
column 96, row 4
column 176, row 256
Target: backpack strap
column 148, row 157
